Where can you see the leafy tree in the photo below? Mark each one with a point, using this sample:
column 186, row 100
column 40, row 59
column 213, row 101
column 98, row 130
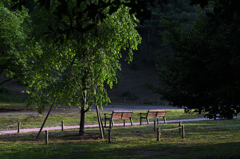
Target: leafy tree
column 73, row 71
column 203, row 73
column 15, row 47
column 222, row 9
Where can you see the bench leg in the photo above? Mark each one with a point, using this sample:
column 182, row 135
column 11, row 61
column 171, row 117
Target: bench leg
column 124, row 122
column 165, row 121
column 105, row 120
column 131, row 121
column 140, row 121
column 157, row 120
column 147, row 121
column 112, row 123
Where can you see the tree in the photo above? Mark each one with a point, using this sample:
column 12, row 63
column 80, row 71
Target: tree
column 222, row 10
column 203, row 73
column 15, row 47
column 95, row 11
column 74, row 71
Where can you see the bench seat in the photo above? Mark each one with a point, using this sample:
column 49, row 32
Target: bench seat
column 154, row 114
column 123, row 115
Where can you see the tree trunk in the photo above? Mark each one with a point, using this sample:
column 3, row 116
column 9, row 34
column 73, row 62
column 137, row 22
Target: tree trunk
column 82, row 120
column 82, row 112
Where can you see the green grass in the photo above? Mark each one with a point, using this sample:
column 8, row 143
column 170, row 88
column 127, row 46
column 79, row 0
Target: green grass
column 218, row 139
column 29, row 121
column 4, row 104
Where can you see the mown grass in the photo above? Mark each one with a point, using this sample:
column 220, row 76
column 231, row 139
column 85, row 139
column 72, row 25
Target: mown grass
column 9, row 122
column 218, row 139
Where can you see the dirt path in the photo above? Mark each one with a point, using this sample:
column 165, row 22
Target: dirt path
column 95, row 125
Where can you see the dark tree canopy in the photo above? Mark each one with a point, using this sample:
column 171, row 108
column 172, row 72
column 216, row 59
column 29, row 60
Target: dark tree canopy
column 203, row 72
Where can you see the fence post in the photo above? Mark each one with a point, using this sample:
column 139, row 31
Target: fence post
column 154, row 125
column 124, row 122
column 18, row 130
column 62, row 125
column 183, row 132
column 158, row 134
column 46, row 136
column 109, row 135
column 180, row 127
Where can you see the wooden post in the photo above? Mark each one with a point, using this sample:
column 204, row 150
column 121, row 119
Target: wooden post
column 183, row 132
column 101, row 128
column 158, row 134
column 124, row 122
column 46, row 136
column 180, row 127
column 109, row 135
column 154, row 125
column 18, row 130
column 62, row 125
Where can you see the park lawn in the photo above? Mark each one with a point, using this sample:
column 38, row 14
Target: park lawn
column 9, row 122
column 204, row 139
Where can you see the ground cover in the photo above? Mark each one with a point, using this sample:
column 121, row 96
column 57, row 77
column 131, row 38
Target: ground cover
column 218, row 139
column 9, row 122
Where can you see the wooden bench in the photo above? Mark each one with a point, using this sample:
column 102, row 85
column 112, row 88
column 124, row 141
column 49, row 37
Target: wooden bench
column 118, row 115
column 156, row 114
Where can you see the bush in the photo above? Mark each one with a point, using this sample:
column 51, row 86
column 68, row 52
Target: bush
column 5, row 90
column 129, row 95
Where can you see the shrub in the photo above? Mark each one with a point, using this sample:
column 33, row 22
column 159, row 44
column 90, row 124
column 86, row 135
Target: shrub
column 5, row 90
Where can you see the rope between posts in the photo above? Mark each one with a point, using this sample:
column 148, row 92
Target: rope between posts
column 171, row 129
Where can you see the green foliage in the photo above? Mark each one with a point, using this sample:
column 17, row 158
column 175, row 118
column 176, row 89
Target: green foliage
column 5, row 90
column 119, row 77
column 129, row 95
column 77, row 69
column 12, row 39
column 17, row 48
column 203, row 73
column 148, row 85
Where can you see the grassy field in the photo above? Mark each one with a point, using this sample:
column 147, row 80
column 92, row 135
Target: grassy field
column 9, row 122
column 218, row 139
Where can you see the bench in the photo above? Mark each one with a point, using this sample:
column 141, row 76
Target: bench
column 156, row 114
column 118, row 115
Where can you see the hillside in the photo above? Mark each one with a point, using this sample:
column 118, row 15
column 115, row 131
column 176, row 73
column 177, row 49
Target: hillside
column 136, row 76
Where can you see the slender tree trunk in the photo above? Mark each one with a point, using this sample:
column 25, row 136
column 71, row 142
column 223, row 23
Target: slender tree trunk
column 82, row 120
column 82, row 112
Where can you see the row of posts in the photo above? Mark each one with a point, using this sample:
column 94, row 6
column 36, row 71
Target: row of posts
column 46, row 131
column 181, row 131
